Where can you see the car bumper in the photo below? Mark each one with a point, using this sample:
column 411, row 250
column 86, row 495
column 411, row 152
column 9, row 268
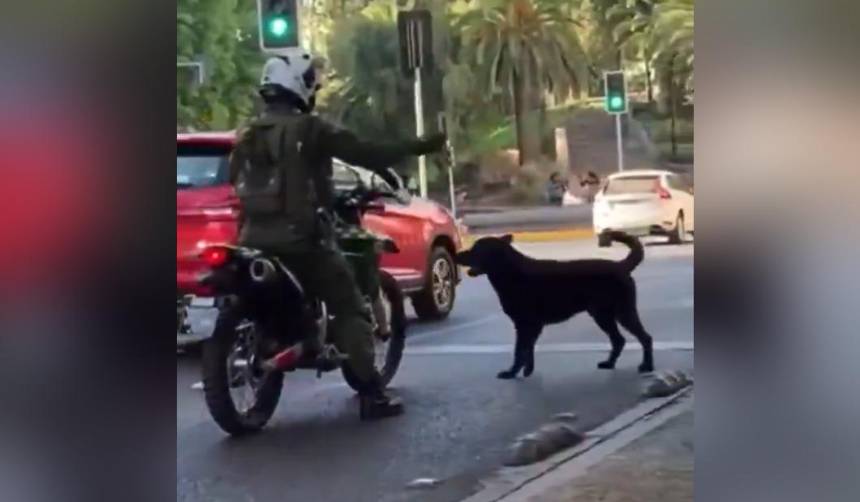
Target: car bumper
column 641, row 224
column 195, row 318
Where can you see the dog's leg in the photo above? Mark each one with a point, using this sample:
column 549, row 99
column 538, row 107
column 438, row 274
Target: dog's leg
column 523, row 353
column 629, row 318
column 606, row 320
column 529, row 356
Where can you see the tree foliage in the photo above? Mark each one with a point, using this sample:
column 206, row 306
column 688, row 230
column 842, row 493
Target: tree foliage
column 222, row 35
column 496, row 61
column 525, row 49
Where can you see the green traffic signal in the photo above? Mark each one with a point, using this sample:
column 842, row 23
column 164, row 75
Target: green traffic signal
column 615, row 92
column 278, row 26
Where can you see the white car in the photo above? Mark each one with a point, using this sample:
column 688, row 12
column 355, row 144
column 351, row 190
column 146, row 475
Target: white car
column 645, row 202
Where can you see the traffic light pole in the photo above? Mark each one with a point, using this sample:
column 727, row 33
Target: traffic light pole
column 419, row 129
column 619, row 142
column 452, row 161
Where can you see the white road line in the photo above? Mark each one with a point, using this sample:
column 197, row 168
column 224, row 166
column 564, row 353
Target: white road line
column 540, row 348
column 680, row 304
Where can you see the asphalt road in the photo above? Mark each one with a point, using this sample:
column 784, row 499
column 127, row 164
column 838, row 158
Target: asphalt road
column 459, row 419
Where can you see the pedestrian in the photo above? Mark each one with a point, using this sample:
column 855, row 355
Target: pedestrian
column 555, row 189
column 590, row 185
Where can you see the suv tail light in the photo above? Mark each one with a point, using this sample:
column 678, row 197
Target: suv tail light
column 662, row 192
column 220, row 212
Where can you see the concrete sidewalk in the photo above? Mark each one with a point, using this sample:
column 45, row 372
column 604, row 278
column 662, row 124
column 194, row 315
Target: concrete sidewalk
column 658, row 466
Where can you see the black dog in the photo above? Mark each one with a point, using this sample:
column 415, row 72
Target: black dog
column 534, row 293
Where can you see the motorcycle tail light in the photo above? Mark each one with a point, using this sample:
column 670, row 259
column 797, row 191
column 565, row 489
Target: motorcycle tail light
column 215, row 256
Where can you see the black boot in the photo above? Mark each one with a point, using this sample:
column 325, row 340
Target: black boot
column 375, row 404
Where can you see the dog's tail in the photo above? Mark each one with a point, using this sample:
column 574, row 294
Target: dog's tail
column 637, row 253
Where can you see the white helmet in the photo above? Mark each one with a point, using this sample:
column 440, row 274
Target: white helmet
column 294, row 72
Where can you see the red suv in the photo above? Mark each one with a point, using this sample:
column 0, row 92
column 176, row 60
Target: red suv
column 207, row 212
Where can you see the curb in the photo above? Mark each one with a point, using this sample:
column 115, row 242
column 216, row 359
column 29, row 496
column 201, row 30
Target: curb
column 508, row 483
column 534, row 236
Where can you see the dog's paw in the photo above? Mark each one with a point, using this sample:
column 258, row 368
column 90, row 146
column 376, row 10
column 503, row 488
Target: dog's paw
column 646, row 368
column 528, row 371
column 507, row 375
column 606, row 365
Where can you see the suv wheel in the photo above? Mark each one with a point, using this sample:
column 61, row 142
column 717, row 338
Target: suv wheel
column 679, row 234
column 436, row 300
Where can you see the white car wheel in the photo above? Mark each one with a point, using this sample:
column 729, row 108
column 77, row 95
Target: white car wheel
column 679, row 235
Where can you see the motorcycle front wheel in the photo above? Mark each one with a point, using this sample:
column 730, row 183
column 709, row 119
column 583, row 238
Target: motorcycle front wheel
column 388, row 352
column 240, row 396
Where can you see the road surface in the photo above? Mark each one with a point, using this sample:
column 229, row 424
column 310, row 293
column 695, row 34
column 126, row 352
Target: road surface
column 459, row 419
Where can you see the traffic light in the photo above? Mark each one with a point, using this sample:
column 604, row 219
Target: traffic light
column 615, row 92
column 279, row 24
column 415, row 36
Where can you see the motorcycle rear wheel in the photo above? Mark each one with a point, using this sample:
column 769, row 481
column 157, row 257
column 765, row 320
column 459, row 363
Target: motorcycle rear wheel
column 229, row 362
column 386, row 362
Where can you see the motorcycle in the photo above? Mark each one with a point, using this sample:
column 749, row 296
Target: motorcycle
column 265, row 320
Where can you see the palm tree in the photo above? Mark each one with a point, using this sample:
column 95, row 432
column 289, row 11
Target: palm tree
column 365, row 89
column 526, row 47
column 662, row 30
column 630, row 25
column 672, row 28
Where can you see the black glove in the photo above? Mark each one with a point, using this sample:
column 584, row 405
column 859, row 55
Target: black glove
column 429, row 144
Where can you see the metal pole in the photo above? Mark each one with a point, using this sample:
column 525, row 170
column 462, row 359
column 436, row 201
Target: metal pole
column 197, row 65
column 419, row 129
column 619, row 142
column 451, row 165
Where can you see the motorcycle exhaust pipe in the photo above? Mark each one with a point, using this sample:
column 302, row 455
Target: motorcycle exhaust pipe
column 262, row 270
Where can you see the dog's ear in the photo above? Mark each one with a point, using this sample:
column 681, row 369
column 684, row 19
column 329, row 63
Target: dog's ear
column 508, row 238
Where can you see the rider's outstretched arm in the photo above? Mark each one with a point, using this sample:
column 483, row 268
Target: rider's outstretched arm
column 346, row 146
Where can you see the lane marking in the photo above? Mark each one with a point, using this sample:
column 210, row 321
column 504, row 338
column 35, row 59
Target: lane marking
column 540, row 348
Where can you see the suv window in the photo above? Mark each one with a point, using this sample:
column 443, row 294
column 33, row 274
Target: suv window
column 343, row 177
column 200, row 166
column 675, row 182
column 630, row 184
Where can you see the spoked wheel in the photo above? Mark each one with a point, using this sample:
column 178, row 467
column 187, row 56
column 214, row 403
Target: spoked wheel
column 388, row 351
column 240, row 396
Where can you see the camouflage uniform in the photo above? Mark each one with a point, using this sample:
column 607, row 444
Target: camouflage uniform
column 298, row 237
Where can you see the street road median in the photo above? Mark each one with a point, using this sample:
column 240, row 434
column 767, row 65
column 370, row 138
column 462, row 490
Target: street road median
column 563, row 234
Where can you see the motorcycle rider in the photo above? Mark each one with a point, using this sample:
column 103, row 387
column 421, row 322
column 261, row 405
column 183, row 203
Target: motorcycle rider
column 282, row 169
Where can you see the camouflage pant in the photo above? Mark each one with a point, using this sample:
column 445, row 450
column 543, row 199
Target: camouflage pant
column 325, row 274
